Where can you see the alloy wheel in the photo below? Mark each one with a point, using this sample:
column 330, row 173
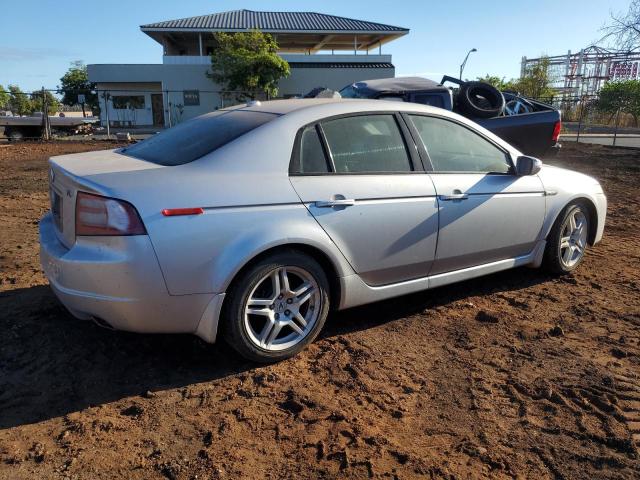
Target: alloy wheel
column 282, row 308
column 573, row 239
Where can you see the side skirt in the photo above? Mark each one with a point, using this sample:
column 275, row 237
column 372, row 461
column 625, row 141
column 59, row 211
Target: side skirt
column 355, row 292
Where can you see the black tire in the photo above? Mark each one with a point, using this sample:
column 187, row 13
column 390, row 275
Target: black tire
column 480, row 100
column 234, row 329
column 552, row 260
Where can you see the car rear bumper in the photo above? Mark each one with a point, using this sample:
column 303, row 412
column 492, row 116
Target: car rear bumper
column 117, row 280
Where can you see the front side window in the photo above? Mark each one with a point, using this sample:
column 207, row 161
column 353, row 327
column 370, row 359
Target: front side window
column 455, row 148
column 366, row 144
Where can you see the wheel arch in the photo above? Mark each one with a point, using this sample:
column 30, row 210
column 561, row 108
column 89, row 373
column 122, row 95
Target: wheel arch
column 331, row 269
column 592, row 211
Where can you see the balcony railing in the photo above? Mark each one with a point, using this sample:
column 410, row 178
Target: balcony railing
column 289, row 57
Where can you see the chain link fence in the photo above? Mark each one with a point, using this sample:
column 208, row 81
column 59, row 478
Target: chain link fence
column 585, row 119
column 105, row 113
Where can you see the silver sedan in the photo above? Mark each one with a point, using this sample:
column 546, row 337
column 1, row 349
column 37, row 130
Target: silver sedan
column 253, row 222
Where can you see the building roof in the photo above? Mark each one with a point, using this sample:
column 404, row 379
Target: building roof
column 241, row 20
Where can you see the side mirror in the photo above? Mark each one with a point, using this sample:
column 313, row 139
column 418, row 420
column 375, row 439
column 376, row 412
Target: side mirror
column 527, row 165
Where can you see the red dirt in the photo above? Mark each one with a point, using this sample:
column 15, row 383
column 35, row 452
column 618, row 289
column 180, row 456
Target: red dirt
column 515, row 375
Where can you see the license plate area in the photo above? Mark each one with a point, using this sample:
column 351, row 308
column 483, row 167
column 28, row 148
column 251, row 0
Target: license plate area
column 56, row 209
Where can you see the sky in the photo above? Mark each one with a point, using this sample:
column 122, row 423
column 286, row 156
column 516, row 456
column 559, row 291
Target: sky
column 41, row 38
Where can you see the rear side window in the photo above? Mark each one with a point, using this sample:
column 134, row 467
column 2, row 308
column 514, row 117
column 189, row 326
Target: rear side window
column 197, row 137
column 312, row 157
column 366, row 143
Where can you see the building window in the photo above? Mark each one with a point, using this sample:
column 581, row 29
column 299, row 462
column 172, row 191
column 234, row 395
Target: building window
column 209, row 50
column 191, row 98
column 123, row 102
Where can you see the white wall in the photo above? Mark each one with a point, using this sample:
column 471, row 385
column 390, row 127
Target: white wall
column 137, row 117
column 173, row 79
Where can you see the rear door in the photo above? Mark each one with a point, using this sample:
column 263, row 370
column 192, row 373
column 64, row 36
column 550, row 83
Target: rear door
column 486, row 212
column 362, row 181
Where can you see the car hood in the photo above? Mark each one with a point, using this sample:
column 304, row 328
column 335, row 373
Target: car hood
column 562, row 178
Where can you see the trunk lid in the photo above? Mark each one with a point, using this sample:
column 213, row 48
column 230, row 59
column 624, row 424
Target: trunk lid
column 70, row 173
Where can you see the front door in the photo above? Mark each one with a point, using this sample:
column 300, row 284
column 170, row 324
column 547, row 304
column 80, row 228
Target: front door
column 486, row 212
column 369, row 195
column 157, row 109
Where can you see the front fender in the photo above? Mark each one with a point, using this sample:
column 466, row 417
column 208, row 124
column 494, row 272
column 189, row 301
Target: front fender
column 563, row 187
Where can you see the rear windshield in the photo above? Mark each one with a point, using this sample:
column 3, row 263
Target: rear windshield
column 194, row 138
column 353, row 92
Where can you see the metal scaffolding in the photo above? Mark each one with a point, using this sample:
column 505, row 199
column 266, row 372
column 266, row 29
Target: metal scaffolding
column 584, row 73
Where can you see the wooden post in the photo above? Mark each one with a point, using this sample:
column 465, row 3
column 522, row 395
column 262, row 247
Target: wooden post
column 105, row 95
column 168, row 107
column 46, row 127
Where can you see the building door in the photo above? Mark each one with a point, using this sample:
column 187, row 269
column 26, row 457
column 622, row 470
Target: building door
column 157, row 109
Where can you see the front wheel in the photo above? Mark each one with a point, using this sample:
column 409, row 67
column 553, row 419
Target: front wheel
column 276, row 307
column 567, row 241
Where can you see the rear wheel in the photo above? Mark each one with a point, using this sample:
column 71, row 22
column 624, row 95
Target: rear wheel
column 276, row 307
column 567, row 241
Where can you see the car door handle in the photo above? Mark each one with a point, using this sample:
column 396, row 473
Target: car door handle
column 338, row 202
column 455, row 196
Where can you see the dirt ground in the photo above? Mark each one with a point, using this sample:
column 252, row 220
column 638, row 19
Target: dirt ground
column 515, row 375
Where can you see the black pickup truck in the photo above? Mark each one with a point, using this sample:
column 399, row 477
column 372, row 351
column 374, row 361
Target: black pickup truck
column 530, row 126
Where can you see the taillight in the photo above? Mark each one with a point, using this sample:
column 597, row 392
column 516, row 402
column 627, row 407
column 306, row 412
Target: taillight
column 97, row 215
column 556, row 131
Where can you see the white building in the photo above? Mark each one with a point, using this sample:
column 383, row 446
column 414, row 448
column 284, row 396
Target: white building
column 322, row 50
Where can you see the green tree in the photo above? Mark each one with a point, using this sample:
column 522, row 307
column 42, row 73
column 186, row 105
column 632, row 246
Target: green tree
column 247, row 62
column 53, row 104
column 496, row 81
column 75, row 82
column 536, row 81
column 4, row 99
column 19, row 102
column 623, row 96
